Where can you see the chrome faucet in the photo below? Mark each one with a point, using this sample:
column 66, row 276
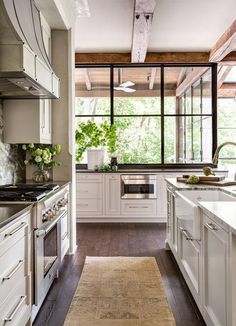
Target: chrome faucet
column 216, row 155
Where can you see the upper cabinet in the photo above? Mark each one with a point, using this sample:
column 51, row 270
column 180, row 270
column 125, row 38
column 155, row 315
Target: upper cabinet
column 27, row 121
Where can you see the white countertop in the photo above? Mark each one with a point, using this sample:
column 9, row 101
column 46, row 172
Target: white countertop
column 224, row 213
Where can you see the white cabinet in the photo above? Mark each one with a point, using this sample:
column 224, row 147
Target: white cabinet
column 15, row 272
column 64, row 235
column 215, row 273
column 141, row 207
column 189, row 253
column 112, row 194
column 171, row 228
column 89, row 195
column 162, row 195
column 27, row 121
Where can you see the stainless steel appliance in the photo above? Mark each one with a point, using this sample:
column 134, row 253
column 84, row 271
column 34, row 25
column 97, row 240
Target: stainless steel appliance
column 135, row 186
column 50, row 206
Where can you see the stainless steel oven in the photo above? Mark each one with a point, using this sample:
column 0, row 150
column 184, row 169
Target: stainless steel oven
column 47, row 255
column 138, row 186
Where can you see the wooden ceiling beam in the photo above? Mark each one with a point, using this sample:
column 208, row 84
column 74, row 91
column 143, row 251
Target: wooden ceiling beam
column 222, row 74
column 225, row 44
column 87, row 79
column 143, row 15
column 191, row 78
column 151, row 57
column 229, row 86
column 152, row 78
column 181, row 76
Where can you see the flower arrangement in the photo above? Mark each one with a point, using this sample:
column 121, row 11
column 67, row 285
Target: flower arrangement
column 42, row 155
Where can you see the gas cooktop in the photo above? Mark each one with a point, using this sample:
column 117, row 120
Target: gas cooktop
column 25, row 191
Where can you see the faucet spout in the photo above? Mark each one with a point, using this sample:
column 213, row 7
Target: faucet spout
column 216, row 155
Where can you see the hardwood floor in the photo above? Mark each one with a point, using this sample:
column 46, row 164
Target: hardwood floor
column 119, row 240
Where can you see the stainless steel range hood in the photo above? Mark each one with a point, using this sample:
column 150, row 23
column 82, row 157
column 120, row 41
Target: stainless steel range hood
column 25, row 70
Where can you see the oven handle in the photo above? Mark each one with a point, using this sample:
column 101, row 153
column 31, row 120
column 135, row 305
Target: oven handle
column 45, row 229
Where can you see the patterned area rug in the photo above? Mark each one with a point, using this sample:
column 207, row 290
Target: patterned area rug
column 120, row 291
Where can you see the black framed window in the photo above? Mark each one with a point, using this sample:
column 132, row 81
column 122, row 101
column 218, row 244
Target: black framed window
column 162, row 119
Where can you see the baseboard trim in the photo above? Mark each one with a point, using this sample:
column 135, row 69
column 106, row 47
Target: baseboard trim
column 120, row 220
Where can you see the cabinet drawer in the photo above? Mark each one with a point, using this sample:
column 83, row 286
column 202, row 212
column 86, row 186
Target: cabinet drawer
column 87, row 207
column 13, row 267
column 89, row 177
column 13, row 233
column 89, row 190
column 14, row 310
column 139, row 207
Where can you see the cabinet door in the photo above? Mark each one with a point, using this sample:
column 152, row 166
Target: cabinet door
column 189, row 254
column 112, row 195
column 215, row 273
column 161, row 195
column 171, row 221
column 45, row 122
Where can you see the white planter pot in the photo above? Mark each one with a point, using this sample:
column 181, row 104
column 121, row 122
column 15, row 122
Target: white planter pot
column 95, row 158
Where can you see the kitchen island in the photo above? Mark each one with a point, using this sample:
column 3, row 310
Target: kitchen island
column 207, row 261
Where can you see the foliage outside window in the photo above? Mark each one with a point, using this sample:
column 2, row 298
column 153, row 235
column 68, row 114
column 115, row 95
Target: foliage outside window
column 151, row 130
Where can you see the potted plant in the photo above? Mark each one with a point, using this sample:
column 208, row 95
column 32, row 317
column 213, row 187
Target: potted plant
column 92, row 137
column 43, row 157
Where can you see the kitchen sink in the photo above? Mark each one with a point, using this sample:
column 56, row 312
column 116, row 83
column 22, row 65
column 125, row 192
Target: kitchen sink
column 187, row 210
column 206, row 195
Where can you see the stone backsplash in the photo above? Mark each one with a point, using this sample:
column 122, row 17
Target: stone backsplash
column 12, row 168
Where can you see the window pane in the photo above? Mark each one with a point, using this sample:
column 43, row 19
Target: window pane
column 136, row 91
column 227, row 130
column 170, row 139
column 139, row 140
column 196, row 90
column 92, row 91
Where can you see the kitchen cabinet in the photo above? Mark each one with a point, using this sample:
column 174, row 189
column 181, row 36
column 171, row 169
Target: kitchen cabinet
column 162, row 194
column 112, row 195
column 64, row 233
column 189, row 253
column 215, row 248
column 171, row 227
column 89, row 195
column 27, row 121
column 15, row 271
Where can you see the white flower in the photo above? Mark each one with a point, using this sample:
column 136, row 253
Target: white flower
column 24, row 147
column 38, row 159
column 31, row 145
column 26, row 162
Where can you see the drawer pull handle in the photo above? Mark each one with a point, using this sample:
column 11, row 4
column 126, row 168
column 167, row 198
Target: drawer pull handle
column 211, row 226
column 9, row 276
column 12, row 315
column 64, row 236
column 138, row 206
column 18, row 228
column 186, row 234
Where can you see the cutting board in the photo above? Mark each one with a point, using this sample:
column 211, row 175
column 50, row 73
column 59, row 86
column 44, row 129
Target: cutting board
column 222, row 183
column 206, row 178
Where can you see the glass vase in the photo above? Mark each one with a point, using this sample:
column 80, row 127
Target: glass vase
column 40, row 175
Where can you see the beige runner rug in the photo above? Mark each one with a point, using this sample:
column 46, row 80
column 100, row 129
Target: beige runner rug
column 120, row 291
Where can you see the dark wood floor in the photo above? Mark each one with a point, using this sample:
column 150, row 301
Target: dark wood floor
column 119, row 240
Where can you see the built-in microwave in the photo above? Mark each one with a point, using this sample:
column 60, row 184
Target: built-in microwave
column 135, row 186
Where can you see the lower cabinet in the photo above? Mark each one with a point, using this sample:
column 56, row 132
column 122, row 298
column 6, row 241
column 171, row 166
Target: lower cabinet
column 189, row 252
column 64, row 236
column 15, row 273
column 112, row 195
column 215, row 273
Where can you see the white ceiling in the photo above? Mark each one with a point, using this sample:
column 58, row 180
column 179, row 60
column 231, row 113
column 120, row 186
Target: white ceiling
column 178, row 25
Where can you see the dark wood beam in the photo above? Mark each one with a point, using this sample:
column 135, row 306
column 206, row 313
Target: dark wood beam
column 225, row 44
column 151, row 57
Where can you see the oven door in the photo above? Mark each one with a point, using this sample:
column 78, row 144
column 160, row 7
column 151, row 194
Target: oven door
column 138, row 187
column 47, row 256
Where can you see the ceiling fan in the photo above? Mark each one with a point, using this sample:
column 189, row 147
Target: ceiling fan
column 125, row 87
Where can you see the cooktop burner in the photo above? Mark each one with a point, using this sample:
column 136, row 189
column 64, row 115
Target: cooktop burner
column 26, row 191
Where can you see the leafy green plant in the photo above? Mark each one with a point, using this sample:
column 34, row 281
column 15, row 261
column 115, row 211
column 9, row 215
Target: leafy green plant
column 89, row 135
column 42, row 155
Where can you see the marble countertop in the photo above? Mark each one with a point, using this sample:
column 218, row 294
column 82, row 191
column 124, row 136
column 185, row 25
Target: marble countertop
column 9, row 212
column 224, row 213
column 182, row 170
